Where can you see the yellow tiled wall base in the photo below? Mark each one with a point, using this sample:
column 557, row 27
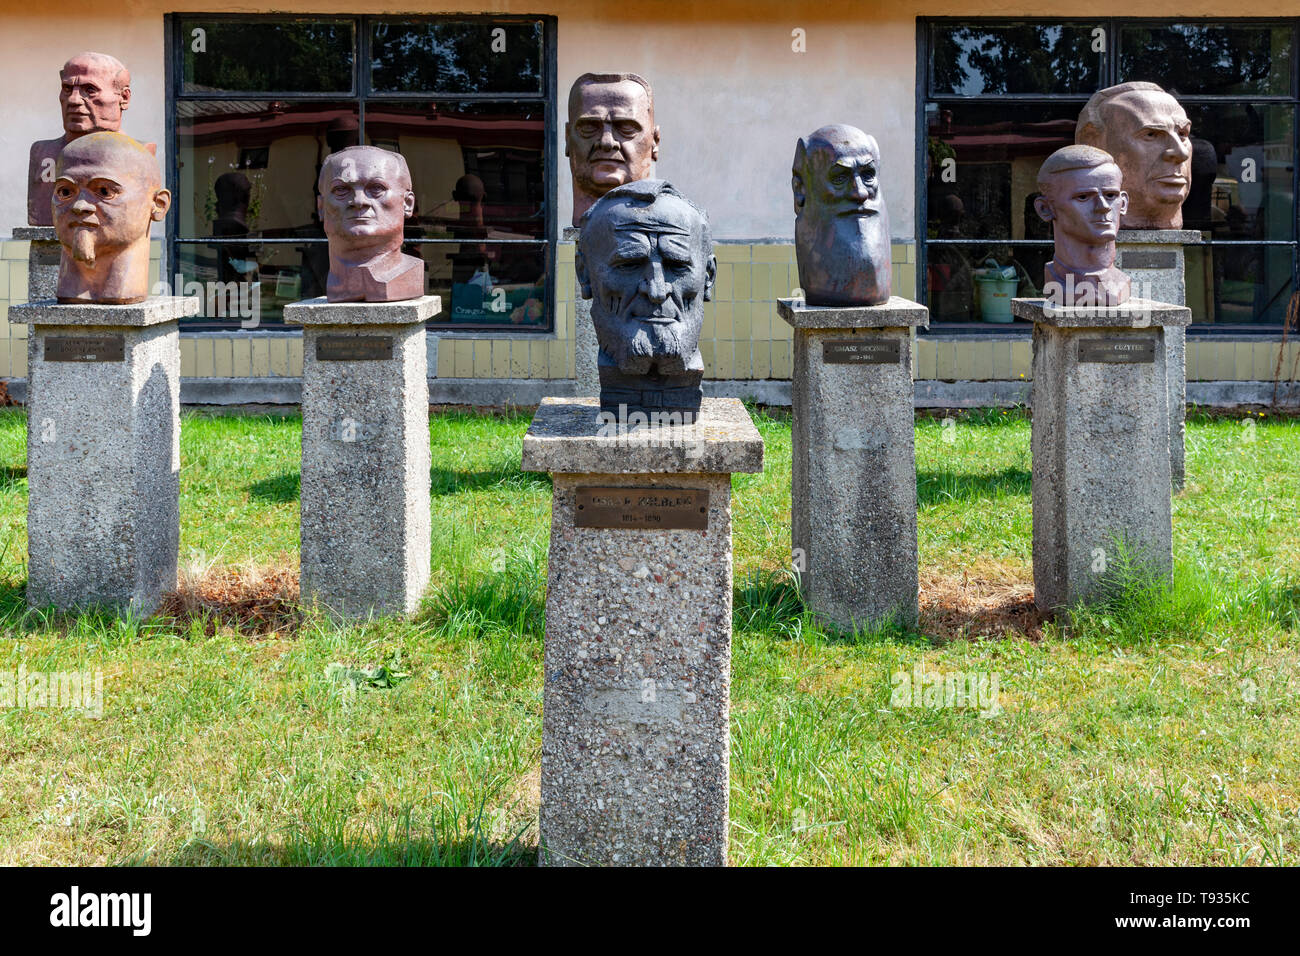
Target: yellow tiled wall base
column 742, row 337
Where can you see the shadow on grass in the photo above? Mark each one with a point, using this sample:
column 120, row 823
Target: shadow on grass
column 512, row 601
column 936, row 487
column 11, row 476
column 769, row 602
column 447, row 481
column 278, row 490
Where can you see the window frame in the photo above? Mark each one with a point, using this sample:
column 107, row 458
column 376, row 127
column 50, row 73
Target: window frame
column 1109, row 77
column 174, row 60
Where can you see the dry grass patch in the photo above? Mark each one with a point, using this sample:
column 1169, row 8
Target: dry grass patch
column 996, row 600
column 257, row 600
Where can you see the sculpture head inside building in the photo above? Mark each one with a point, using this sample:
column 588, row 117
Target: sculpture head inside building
column 365, row 198
column 611, row 138
column 841, row 230
column 1082, row 196
column 94, row 90
column 107, row 193
column 645, row 259
column 1149, row 135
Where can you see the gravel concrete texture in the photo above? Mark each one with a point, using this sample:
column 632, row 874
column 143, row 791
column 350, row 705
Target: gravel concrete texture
column 635, row 726
column 42, row 261
column 585, row 346
column 853, row 483
column 365, row 525
column 1100, row 445
column 103, row 452
column 1154, row 258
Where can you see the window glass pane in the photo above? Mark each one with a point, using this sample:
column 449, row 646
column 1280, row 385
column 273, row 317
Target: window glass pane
column 1208, row 59
column 1015, row 58
column 488, row 284
column 266, row 56
column 1242, row 163
column 983, row 164
column 953, row 278
column 249, row 167
column 479, row 56
column 477, row 168
column 239, row 282
column 1239, row 285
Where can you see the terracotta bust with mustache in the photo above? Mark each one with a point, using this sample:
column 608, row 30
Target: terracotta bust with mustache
column 1149, row 135
column 611, row 138
column 841, row 228
column 94, row 91
column 645, row 259
column 107, row 192
column 364, row 199
column 1082, row 197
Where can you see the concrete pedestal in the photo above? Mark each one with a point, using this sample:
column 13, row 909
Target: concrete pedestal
column 1100, row 443
column 1153, row 259
column 585, row 346
column 43, row 254
column 638, row 633
column 103, row 452
column 853, row 486
column 365, row 454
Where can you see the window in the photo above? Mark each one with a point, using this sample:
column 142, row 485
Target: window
column 998, row 96
column 260, row 101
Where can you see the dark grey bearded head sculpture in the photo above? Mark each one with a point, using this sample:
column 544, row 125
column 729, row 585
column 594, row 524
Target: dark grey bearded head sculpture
column 841, row 228
column 645, row 259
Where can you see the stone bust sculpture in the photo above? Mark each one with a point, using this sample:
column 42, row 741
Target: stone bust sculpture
column 1082, row 196
column 841, row 228
column 365, row 197
column 611, row 137
column 645, row 259
column 107, row 192
column 94, row 90
column 1149, row 135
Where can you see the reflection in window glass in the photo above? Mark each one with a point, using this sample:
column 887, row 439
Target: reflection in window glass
column 242, row 282
column 1239, row 285
column 953, row 274
column 477, row 168
column 973, row 60
column 479, row 56
column 1196, row 59
column 500, row 285
column 1242, row 166
column 266, row 56
column 248, row 167
column 983, row 164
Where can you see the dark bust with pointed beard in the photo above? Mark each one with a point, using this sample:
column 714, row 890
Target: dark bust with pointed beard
column 841, row 228
column 645, row 259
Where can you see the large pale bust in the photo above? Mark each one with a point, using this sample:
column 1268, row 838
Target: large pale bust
column 1149, row 135
column 94, row 90
column 610, row 138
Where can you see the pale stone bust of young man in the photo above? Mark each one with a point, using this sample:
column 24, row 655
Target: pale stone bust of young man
column 1149, row 135
column 107, row 193
column 364, row 202
column 94, row 90
column 1083, row 198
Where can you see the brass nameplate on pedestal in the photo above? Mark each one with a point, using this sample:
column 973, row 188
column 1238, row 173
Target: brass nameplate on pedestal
column 665, row 508
column 1120, row 350
column 1140, row 259
column 353, row 348
column 862, row 351
column 85, row 348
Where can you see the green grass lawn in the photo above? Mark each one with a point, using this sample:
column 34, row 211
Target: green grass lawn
column 1160, row 729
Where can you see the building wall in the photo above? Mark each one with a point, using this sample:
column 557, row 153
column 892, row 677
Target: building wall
column 731, row 98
